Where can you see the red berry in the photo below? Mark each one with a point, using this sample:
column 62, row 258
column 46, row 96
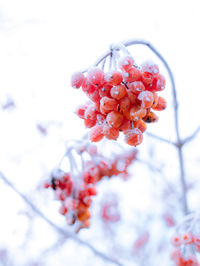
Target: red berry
column 150, row 117
column 96, row 77
column 96, row 133
column 147, row 98
column 155, row 100
column 176, row 240
column 46, row 184
column 187, row 238
column 92, row 191
column 118, row 92
column 132, row 97
column 80, row 111
column 105, row 90
column 87, row 87
column 136, row 87
column 197, row 240
column 94, row 96
column 124, row 104
column 126, row 124
column 158, row 83
column 91, row 112
column 89, row 123
column 133, row 137
column 140, row 124
column 114, row 119
column 101, row 118
column 132, row 75
column 151, row 68
column 77, row 80
column 126, row 62
column 108, row 103
column 110, row 132
column 137, row 112
column 114, row 78
column 63, row 209
column 161, row 104
column 147, row 78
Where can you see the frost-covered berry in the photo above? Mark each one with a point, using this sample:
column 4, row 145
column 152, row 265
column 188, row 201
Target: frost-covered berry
column 146, row 98
column 133, row 137
column 114, row 78
column 77, row 80
column 96, row 133
column 96, row 77
column 126, row 62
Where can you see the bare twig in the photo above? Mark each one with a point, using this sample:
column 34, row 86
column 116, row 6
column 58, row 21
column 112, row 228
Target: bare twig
column 160, row 138
column 176, row 120
column 55, row 246
column 191, row 137
column 56, row 227
column 154, row 168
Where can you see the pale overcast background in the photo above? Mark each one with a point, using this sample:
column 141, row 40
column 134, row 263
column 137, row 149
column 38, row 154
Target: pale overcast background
column 42, row 42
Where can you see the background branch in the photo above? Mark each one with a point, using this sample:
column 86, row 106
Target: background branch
column 176, row 120
column 191, row 137
column 56, row 227
column 160, row 138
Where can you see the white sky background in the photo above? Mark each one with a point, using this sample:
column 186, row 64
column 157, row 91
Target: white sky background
column 43, row 42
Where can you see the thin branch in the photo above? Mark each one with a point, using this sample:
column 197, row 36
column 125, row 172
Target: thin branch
column 160, row 138
column 153, row 168
column 55, row 246
column 56, row 227
column 191, row 137
column 176, row 120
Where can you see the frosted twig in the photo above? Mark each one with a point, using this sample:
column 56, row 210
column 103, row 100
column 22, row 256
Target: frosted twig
column 160, row 138
column 158, row 170
column 191, row 137
column 178, row 142
column 185, row 222
column 120, row 46
column 60, row 230
column 111, row 61
column 55, row 246
column 103, row 64
column 114, row 59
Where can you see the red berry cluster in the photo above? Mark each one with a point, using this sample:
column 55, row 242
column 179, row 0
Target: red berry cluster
column 121, row 100
column 75, row 191
column 187, row 242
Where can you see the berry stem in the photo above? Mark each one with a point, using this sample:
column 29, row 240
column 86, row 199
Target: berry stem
column 60, row 230
column 111, row 61
column 103, row 64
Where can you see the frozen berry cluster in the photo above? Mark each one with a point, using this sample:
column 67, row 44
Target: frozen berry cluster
column 75, row 191
column 120, row 100
column 186, row 245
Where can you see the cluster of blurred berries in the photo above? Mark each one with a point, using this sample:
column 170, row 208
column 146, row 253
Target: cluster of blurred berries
column 186, row 242
column 121, row 99
column 75, row 190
